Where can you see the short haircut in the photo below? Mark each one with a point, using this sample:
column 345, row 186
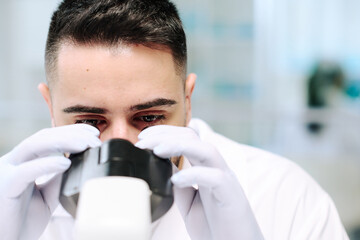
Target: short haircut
column 151, row 23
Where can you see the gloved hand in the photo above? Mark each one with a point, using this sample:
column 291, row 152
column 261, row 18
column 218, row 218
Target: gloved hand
column 25, row 206
column 218, row 209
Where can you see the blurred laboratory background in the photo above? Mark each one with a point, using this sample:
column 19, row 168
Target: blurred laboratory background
column 276, row 74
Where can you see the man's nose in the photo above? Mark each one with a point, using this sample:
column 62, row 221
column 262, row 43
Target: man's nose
column 120, row 129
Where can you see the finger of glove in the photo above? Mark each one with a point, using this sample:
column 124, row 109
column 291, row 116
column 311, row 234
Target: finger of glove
column 207, row 177
column 153, row 136
column 192, row 211
column 171, row 141
column 50, row 191
column 70, row 139
column 28, row 172
column 196, row 221
column 164, row 129
column 184, row 198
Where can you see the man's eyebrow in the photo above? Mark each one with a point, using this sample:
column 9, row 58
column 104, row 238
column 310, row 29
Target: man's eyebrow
column 154, row 103
column 84, row 109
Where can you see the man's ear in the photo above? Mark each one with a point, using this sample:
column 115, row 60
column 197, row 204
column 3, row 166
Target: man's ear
column 45, row 92
column 189, row 88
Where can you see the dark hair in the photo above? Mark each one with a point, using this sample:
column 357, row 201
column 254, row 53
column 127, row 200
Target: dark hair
column 152, row 23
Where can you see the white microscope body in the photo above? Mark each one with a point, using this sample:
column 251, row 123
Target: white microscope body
column 116, row 191
column 105, row 214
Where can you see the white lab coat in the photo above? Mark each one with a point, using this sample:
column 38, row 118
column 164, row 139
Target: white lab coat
column 286, row 201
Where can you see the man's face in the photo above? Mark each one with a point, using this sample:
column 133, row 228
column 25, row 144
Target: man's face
column 120, row 91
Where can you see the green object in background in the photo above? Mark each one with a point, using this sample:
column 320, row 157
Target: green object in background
column 353, row 89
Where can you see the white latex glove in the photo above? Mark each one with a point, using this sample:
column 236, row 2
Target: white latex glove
column 218, row 209
column 25, row 206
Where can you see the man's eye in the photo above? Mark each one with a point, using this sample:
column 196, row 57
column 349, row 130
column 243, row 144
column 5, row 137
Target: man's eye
column 92, row 122
column 151, row 118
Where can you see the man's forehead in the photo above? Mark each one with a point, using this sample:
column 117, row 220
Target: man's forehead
column 122, row 48
column 107, row 74
column 123, row 55
column 67, row 50
column 72, row 51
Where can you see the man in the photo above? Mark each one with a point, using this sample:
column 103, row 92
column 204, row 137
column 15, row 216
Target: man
column 120, row 66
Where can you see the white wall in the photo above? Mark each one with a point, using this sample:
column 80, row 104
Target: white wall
column 23, row 34
column 290, row 37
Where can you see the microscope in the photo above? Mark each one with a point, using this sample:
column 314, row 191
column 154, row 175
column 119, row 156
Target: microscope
column 115, row 191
